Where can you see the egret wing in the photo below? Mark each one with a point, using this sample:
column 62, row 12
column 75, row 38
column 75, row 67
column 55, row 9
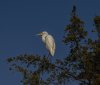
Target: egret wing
column 50, row 44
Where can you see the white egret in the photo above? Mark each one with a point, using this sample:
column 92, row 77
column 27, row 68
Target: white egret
column 49, row 41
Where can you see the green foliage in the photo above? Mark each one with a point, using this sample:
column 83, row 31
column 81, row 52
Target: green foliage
column 82, row 62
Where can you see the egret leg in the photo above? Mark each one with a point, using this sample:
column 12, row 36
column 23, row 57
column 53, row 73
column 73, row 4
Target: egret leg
column 49, row 56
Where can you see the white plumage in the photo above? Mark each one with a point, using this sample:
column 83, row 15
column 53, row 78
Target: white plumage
column 49, row 42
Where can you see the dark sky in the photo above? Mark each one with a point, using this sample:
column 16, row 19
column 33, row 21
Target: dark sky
column 20, row 19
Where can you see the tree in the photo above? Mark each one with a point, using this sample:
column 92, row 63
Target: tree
column 81, row 64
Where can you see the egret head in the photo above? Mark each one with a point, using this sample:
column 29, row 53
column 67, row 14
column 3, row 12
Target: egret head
column 43, row 33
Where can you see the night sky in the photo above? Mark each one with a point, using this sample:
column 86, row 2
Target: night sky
column 20, row 19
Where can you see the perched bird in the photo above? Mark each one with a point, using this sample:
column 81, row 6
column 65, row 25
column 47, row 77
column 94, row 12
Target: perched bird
column 49, row 41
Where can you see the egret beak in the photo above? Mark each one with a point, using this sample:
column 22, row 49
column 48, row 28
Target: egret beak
column 40, row 34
